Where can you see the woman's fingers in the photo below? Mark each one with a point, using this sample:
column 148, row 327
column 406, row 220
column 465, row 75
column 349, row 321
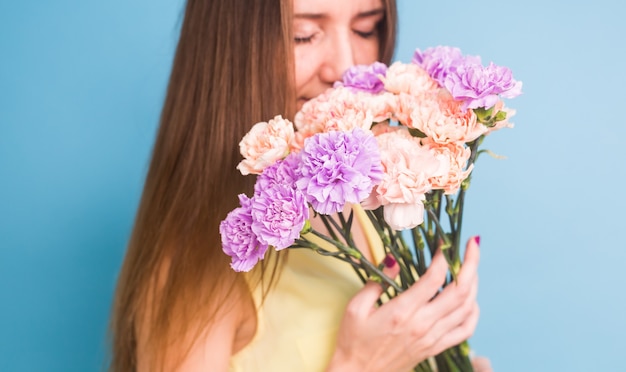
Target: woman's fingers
column 423, row 318
column 457, row 293
column 481, row 364
column 445, row 323
column 460, row 333
column 451, row 317
column 364, row 302
column 426, row 287
column 472, row 257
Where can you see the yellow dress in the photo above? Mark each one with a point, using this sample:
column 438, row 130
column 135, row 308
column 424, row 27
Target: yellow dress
column 299, row 319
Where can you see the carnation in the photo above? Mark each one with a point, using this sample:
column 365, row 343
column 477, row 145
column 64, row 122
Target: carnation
column 264, row 144
column 402, row 216
column 339, row 168
column 279, row 213
column 283, row 172
column 441, row 117
column 407, row 167
column 364, row 78
column 408, row 78
column 479, row 86
column 238, row 239
column 456, row 154
column 341, row 109
column 438, row 61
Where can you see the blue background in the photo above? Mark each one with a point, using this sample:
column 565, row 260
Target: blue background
column 81, row 85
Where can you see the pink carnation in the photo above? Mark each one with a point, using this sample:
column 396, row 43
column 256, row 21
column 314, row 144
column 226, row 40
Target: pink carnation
column 457, row 154
column 407, row 167
column 442, row 118
column 405, row 105
column 342, row 109
column 382, row 105
column 408, row 78
column 264, row 144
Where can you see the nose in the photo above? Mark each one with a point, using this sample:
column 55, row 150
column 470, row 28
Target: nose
column 339, row 58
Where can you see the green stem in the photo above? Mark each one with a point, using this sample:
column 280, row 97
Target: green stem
column 418, row 243
column 329, row 228
column 439, row 193
column 369, row 266
column 395, row 247
column 342, row 219
column 442, row 363
column 451, row 212
column 336, row 226
column 390, row 240
column 356, row 254
column 463, row 355
column 445, row 246
column 458, row 209
column 432, row 247
column 423, row 367
column 303, row 243
column 452, row 366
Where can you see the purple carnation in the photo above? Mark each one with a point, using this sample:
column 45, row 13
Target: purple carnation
column 438, row 61
column 441, row 61
column 282, row 172
column 479, row 86
column 238, row 239
column 339, row 168
column 365, row 78
column 279, row 213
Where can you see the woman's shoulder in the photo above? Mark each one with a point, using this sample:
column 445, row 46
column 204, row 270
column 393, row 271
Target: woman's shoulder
column 226, row 325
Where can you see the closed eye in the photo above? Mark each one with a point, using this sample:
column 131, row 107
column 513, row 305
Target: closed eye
column 303, row 39
column 366, row 35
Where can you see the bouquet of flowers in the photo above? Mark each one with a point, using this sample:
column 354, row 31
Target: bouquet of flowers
column 400, row 141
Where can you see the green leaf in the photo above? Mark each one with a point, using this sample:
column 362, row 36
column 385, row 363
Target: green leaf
column 417, row 133
column 483, row 115
column 501, row 115
column 306, row 228
column 376, row 278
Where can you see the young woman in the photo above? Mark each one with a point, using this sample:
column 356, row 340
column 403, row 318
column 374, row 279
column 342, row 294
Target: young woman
column 178, row 305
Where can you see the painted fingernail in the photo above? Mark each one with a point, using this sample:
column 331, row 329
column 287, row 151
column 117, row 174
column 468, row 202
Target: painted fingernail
column 389, row 261
column 477, row 239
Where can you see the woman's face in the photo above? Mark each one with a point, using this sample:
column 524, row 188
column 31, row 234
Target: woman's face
column 330, row 36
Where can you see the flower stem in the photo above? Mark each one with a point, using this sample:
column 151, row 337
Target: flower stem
column 445, row 245
column 369, row 268
column 328, row 227
column 303, row 243
column 418, row 243
column 390, row 240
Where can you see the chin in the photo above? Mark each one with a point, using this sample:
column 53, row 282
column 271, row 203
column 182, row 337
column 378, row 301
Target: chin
column 300, row 102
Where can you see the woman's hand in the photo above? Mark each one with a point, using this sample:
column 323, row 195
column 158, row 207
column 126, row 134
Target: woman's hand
column 412, row 326
column 481, row 364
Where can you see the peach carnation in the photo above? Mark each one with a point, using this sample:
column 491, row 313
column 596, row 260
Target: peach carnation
column 264, row 144
column 457, row 155
column 442, row 118
column 408, row 168
column 405, row 104
column 342, row 109
column 408, row 78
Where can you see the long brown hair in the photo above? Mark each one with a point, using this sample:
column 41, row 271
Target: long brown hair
column 233, row 67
